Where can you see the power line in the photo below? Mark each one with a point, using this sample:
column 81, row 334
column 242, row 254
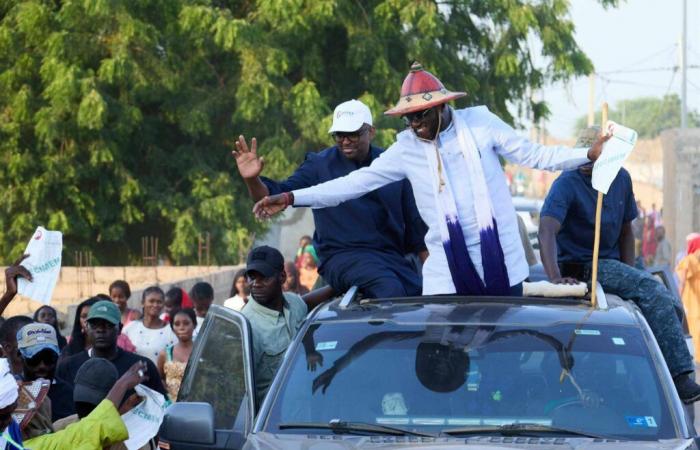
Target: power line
column 649, row 69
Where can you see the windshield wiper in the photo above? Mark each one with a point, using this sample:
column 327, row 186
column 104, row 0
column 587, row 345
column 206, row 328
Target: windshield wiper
column 341, row 427
column 520, row 429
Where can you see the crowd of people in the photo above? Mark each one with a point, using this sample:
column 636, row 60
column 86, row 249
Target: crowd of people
column 431, row 215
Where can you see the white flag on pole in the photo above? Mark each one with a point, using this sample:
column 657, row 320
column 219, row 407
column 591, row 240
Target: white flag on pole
column 44, row 263
column 615, row 152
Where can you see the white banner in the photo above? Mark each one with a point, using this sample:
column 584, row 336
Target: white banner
column 143, row 421
column 44, row 263
column 615, row 152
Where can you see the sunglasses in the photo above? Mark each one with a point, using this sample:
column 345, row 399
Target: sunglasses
column 47, row 356
column 415, row 116
column 352, row 137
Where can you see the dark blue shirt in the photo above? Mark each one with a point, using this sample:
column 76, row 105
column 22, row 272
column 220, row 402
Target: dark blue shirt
column 572, row 201
column 384, row 220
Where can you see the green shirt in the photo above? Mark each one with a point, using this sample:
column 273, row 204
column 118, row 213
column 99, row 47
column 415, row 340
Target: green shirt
column 272, row 333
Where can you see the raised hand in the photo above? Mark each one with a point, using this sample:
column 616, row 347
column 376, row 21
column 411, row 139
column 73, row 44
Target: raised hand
column 597, row 147
column 250, row 165
column 14, row 271
column 271, row 205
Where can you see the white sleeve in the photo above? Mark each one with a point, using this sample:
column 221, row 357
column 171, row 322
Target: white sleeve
column 520, row 150
column 385, row 169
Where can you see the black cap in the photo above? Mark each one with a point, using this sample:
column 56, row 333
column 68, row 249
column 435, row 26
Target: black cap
column 266, row 260
column 94, row 380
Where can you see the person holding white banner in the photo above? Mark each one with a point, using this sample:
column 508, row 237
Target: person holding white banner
column 566, row 234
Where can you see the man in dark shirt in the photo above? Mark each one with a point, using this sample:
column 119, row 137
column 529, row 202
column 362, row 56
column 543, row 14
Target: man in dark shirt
column 360, row 242
column 567, row 223
column 103, row 327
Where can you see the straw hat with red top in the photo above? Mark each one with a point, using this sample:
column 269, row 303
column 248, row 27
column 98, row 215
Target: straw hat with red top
column 421, row 90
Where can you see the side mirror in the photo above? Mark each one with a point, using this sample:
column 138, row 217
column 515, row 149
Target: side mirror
column 188, row 424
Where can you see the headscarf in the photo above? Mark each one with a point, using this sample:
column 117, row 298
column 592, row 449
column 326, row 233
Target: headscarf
column 694, row 245
column 311, row 251
column 8, row 385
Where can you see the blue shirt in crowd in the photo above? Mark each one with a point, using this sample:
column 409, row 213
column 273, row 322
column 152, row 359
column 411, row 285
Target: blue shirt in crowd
column 385, row 220
column 572, row 202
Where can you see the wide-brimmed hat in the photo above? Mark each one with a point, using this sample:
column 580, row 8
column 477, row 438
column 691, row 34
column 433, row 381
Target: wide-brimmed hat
column 421, row 90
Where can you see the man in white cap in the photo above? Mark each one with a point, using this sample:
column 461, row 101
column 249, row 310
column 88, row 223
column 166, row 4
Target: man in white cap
column 364, row 241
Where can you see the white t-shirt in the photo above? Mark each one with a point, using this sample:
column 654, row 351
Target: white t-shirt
column 149, row 342
column 236, row 303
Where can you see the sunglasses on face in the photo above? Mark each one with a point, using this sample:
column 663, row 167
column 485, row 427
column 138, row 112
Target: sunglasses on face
column 415, row 116
column 48, row 357
column 352, row 137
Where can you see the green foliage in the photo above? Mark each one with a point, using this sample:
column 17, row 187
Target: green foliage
column 649, row 116
column 117, row 116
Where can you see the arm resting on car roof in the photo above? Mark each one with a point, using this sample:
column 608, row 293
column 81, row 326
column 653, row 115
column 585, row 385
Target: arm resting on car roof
column 549, row 228
column 627, row 244
column 318, row 296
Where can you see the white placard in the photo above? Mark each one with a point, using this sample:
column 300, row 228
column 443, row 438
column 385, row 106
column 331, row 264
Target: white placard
column 615, row 152
column 143, row 421
column 44, row 263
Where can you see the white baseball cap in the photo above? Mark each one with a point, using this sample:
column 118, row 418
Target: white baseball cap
column 349, row 116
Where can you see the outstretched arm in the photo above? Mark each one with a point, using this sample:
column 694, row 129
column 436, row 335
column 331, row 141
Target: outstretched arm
column 383, row 170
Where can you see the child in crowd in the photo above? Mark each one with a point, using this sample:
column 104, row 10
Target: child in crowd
column 119, row 293
column 150, row 335
column 202, row 295
column 173, row 360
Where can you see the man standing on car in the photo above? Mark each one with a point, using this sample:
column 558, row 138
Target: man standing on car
column 567, row 223
column 451, row 158
column 275, row 316
column 362, row 242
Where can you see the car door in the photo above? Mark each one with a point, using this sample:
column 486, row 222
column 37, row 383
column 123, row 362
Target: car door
column 216, row 402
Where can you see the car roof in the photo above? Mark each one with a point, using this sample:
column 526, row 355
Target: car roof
column 529, row 311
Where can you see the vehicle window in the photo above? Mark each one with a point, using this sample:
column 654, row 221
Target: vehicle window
column 219, row 377
column 429, row 378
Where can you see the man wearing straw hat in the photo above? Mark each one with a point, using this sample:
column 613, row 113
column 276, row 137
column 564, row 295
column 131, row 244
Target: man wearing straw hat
column 451, row 158
column 567, row 222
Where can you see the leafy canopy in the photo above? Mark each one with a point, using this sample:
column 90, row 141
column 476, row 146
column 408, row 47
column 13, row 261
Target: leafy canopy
column 117, row 116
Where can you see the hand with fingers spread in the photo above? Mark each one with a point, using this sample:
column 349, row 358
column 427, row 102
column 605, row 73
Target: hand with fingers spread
column 250, row 165
column 272, row 204
column 136, row 374
column 597, row 147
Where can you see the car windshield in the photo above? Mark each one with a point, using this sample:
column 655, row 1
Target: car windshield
column 433, row 378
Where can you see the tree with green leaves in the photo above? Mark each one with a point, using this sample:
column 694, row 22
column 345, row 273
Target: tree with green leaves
column 649, row 116
column 117, row 116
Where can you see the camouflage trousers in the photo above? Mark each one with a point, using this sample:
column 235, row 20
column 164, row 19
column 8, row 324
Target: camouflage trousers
column 657, row 306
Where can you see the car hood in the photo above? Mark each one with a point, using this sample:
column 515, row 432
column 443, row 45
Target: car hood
column 268, row 441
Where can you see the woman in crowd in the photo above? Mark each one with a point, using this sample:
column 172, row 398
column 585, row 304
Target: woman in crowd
column 304, row 241
column 240, row 290
column 151, row 334
column 308, row 272
column 173, row 360
column 120, row 292
column 291, row 283
column 48, row 315
column 649, row 240
column 78, row 340
column 688, row 271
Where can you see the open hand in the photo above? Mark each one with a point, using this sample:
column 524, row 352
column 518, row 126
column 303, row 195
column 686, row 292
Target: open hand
column 269, row 206
column 597, row 148
column 250, row 165
column 14, row 271
column 313, row 360
column 137, row 374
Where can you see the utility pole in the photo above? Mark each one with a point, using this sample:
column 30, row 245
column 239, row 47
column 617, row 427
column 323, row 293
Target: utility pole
column 684, row 67
column 591, row 99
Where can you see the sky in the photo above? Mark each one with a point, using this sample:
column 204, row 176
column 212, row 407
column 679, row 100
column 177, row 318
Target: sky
column 639, row 35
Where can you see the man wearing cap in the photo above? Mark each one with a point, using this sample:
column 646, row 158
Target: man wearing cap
column 566, row 232
column 451, row 158
column 274, row 316
column 103, row 327
column 363, row 241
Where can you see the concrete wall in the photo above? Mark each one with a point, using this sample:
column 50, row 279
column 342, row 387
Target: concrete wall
column 681, row 181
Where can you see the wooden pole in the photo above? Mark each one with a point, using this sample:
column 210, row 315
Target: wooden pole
column 598, row 213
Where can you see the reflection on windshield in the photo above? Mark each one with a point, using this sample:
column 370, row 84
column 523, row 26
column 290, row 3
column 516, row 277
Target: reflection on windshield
column 437, row 377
